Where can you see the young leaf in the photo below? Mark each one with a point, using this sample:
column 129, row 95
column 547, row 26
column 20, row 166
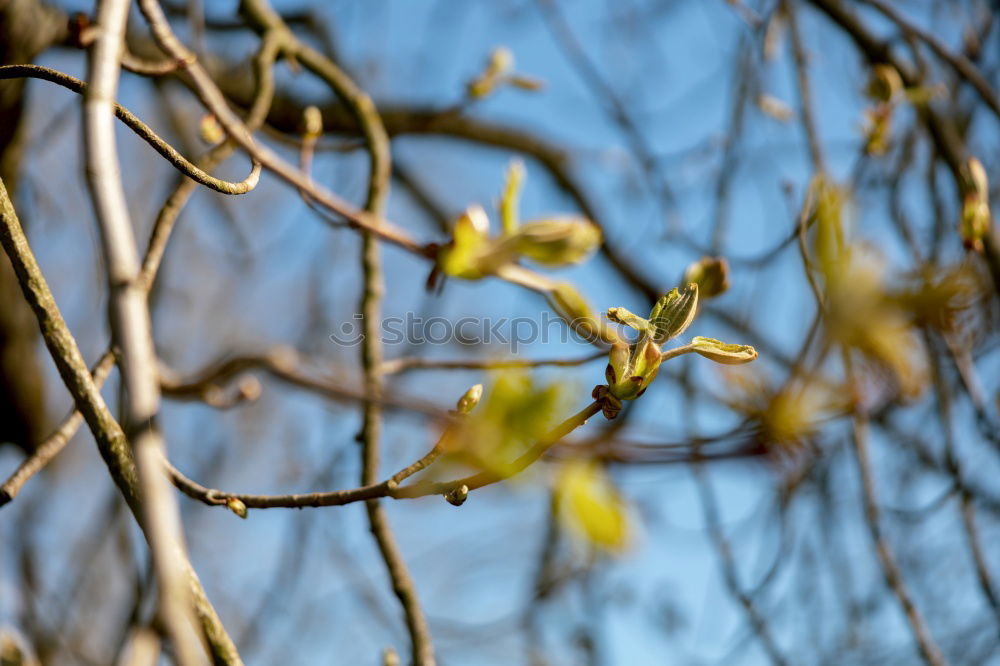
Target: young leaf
column 626, row 318
column 673, row 313
column 722, row 352
column 558, row 241
column 511, row 197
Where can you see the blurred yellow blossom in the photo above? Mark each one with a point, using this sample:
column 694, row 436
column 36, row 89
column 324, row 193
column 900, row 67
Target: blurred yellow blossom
column 515, row 414
column 590, row 506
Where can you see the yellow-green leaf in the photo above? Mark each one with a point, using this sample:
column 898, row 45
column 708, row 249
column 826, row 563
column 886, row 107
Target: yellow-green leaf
column 511, row 197
column 721, row 352
column 674, row 312
column 558, row 241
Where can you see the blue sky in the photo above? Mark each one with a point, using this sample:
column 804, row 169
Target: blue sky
column 248, row 273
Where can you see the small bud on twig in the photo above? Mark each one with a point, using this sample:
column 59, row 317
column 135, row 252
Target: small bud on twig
column 457, row 496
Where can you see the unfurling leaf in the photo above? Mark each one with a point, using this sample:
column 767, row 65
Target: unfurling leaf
column 976, row 218
column 511, row 197
column 472, row 254
column 558, row 241
column 515, row 414
column 591, row 506
column 721, row 352
column 828, row 208
column 673, row 313
column 626, row 318
column 711, row 274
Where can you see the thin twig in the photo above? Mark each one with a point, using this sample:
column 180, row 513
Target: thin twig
column 377, row 142
column 805, row 94
column 144, row 132
column 164, row 224
column 55, row 442
column 282, row 363
column 387, row 488
column 890, row 569
column 958, row 62
column 213, row 99
column 758, row 620
column 966, row 502
column 407, row 363
column 132, row 329
column 110, row 437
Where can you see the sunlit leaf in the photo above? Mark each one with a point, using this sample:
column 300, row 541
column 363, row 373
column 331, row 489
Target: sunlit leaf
column 558, row 241
column 626, row 318
column 976, row 219
column 515, row 414
column 674, row 312
column 721, row 352
column 511, row 197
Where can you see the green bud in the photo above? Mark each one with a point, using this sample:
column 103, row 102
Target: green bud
column 610, row 405
column 633, row 372
column 558, row 241
column 237, row 506
column 722, row 352
column 884, row 83
column 501, row 60
column 569, row 303
column 673, row 313
column 312, row 122
column 711, row 274
column 618, row 366
column 469, row 399
column 210, row 130
column 389, row 657
column 500, row 63
column 457, row 496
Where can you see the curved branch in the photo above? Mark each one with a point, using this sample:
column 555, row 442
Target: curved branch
column 389, row 487
column 144, row 132
column 110, row 438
